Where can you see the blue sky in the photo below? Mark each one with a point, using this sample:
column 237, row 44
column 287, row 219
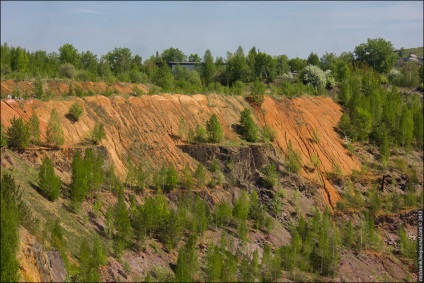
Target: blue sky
column 291, row 28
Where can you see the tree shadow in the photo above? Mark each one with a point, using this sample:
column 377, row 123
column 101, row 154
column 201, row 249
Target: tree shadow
column 71, row 118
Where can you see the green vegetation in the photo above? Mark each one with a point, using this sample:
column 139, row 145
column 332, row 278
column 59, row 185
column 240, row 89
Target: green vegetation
column 3, row 137
column 98, row 133
column 270, row 178
column 294, row 162
column 214, row 129
column 268, row 134
column 49, row 182
column 87, row 175
column 171, row 212
column 249, row 129
column 18, row 134
column 9, row 229
column 54, row 129
column 75, row 112
column 34, row 124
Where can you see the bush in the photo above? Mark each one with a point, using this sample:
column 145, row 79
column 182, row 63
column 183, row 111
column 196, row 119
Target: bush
column 294, row 162
column 67, row 70
column 18, row 134
column 75, row 112
column 238, row 88
column 98, row 133
column 268, row 133
column 315, row 76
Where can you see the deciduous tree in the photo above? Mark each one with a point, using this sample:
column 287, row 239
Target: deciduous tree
column 377, row 53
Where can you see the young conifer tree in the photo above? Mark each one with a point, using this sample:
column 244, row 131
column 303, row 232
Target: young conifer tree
column 54, row 129
column 34, row 124
column 249, row 130
column 18, row 135
column 49, row 182
column 214, row 129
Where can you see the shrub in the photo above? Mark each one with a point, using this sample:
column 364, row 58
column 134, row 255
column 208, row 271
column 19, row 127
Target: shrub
column 75, row 112
column 315, row 76
column 268, row 133
column 67, row 70
column 18, row 134
column 214, row 129
column 49, row 183
column 238, row 88
column 294, row 162
column 98, row 133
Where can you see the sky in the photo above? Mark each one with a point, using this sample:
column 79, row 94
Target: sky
column 293, row 28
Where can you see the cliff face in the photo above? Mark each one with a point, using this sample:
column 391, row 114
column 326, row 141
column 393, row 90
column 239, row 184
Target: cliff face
column 151, row 128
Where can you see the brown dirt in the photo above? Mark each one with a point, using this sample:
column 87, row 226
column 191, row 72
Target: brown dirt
column 296, row 120
column 35, row 263
column 368, row 266
column 147, row 127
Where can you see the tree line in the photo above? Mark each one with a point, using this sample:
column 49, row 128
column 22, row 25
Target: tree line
column 234, row 74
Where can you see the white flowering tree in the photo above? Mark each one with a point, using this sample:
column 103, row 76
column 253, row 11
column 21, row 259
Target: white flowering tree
column 317, row 78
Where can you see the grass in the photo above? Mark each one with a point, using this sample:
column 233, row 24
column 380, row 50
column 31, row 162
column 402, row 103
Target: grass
column 75, row 230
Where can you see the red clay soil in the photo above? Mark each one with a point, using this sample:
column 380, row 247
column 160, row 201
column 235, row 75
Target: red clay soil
column 148, row 127
column 296, row 120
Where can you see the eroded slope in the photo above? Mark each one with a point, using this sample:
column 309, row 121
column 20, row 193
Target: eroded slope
column 150, row 128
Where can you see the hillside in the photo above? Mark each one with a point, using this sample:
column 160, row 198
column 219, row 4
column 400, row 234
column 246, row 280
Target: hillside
column 153, row 130
column 419, row 51
column 148, row 127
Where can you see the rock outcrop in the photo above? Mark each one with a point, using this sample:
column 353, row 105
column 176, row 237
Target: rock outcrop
column 36, row 263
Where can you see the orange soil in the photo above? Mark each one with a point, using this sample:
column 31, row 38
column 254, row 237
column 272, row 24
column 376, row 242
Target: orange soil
column 148, row 127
